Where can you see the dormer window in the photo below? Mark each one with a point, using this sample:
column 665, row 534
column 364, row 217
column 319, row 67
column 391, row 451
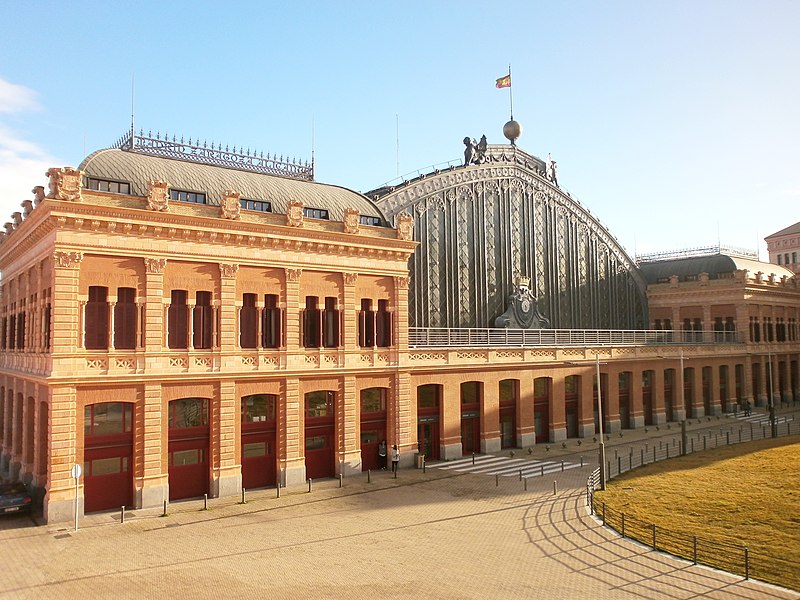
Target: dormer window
column 184, row 196
column 107, row 185
column 370, row 220
column 257, row 205
column 315, row 213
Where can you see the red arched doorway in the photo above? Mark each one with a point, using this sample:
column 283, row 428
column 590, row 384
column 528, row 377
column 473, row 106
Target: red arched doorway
column 428, row 417
column 373, row 426
column 258, row 440
column 188, row 448
column 108, row 455
column 320, row 441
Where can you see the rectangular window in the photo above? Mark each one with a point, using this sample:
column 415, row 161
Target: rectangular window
column 21, row 330
column 105, row 185
column 428, row 396
column 12, row 331
column 257, row 205
column 258, row 408
column 312, row 317
column 319, row 404
column 780, row 259
column 373, row 400
column 183, row 458
column 184, row 196
column 47, row 312
column 316, row 442
column 271, row 331
column 248, row 321
column 188, row 412
column 178, row 316
column 202, row 321
column 96, row 319
column 383, row 325
column 366, row 324
column 125, row 319
column 508, row 391
column 4, row 333
column 107, row 418
column 315, row 213
column 330, row 321
column 254, row 449
column 369, row 220
column 470, row 392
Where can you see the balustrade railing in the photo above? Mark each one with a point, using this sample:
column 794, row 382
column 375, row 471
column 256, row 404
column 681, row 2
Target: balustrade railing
column 426, row 337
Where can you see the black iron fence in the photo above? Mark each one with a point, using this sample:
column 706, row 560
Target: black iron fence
column 736, row 559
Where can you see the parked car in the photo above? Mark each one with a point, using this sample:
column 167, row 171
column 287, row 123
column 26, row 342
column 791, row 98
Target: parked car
column 14, row 497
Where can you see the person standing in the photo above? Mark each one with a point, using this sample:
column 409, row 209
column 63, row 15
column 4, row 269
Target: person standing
column 395, row 458
column 382, row 455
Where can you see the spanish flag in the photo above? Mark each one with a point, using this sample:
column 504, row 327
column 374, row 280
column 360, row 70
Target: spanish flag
column 503, row 82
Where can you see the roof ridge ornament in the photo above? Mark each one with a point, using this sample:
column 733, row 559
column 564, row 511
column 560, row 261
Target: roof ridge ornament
column 193, row 151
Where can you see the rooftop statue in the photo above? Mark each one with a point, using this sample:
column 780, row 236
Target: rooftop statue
column 522, row 312
column 475, row 152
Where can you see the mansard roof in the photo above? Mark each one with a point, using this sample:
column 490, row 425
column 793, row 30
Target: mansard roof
column 137, row 169
column 715, row 265
column 791, row 230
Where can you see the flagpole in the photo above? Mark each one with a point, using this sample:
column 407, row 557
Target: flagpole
column 510, row 95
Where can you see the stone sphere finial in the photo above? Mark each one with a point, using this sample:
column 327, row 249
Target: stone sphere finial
column 512, row 130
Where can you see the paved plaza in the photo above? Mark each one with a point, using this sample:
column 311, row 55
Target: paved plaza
column 446, row 533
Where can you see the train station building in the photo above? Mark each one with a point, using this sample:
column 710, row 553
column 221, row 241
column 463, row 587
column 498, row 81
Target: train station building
column 182, row 320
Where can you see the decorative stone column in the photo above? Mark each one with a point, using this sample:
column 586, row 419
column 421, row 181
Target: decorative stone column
column 401, row 418
column 226, row 478
column 350, row 322
column 155, row 310
column 228, row 328
column 526, row 430
column 611, row 413
column 59, row 500
column 716, row 398
column 150, row 422
column 556, row 410
column 586, row 406
column 657, row 391
column 66, row 270
column 490, row 417
column 400, row 319
column 635, row 400
column 292, row 438
column 347, row 415
column 450, row 431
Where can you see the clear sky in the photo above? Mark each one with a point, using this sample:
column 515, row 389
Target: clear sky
column 676, row 122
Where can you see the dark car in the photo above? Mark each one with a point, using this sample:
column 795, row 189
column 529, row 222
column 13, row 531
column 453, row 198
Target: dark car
column 14, row 497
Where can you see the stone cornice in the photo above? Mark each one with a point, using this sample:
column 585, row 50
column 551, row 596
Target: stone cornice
column 107, row 220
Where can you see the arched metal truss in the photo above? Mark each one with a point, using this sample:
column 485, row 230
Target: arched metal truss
column 481, row 226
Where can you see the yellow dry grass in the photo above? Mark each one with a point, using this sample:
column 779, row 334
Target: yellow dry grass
column 742, row 495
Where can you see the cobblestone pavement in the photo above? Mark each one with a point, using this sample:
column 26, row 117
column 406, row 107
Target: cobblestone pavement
column 439, row 534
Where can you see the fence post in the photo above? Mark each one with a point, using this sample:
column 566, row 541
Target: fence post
column 541, row 470
column 694, row 549
column 278, row 489
column 746, row 564
column 655, row 458
column 654, row 536
column 520, row 474
column 205, row 501
column 496, row 480
column 122, row 515
column 369, row 476
column 309, row 485
column 562, row 466
column 555, row 488
column 525, row 484
column 604, row 513
column 704, row 442
column 740, row 434
column 727, row 438
column 473, row 458
column 341, row 477
column 642, row 456
column 244, row 500
column 623, row 525
column 582, row 459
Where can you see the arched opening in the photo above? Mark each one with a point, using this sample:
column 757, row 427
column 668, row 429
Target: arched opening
column 258, row 440
column 541, row 408
column 188, row 452
column 107, row 455
column 320, row 439
column 373, row 426
column 471, row 393
column 428, row 419
column 509, row 395
column 572, row 387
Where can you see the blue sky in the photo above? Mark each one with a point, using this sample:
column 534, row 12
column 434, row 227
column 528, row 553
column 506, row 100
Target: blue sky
column 677, row 123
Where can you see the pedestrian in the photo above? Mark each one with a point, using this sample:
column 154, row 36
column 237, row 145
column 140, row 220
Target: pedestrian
column 395, row 458
column 382, row 455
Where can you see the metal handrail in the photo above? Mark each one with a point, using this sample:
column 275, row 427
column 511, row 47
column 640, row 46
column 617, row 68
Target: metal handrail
column 430, row 337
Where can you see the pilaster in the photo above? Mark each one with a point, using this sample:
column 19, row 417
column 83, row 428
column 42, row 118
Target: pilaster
column 490, row 417
column 226, row 470
column 451, row 421
column 59, row 501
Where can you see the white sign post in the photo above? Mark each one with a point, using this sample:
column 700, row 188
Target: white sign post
column 76, row 475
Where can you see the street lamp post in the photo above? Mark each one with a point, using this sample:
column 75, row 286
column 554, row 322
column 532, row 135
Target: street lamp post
column 771, row 405
column 600, row 418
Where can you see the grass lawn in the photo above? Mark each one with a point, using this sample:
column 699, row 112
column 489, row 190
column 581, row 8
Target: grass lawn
column 744, row 495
